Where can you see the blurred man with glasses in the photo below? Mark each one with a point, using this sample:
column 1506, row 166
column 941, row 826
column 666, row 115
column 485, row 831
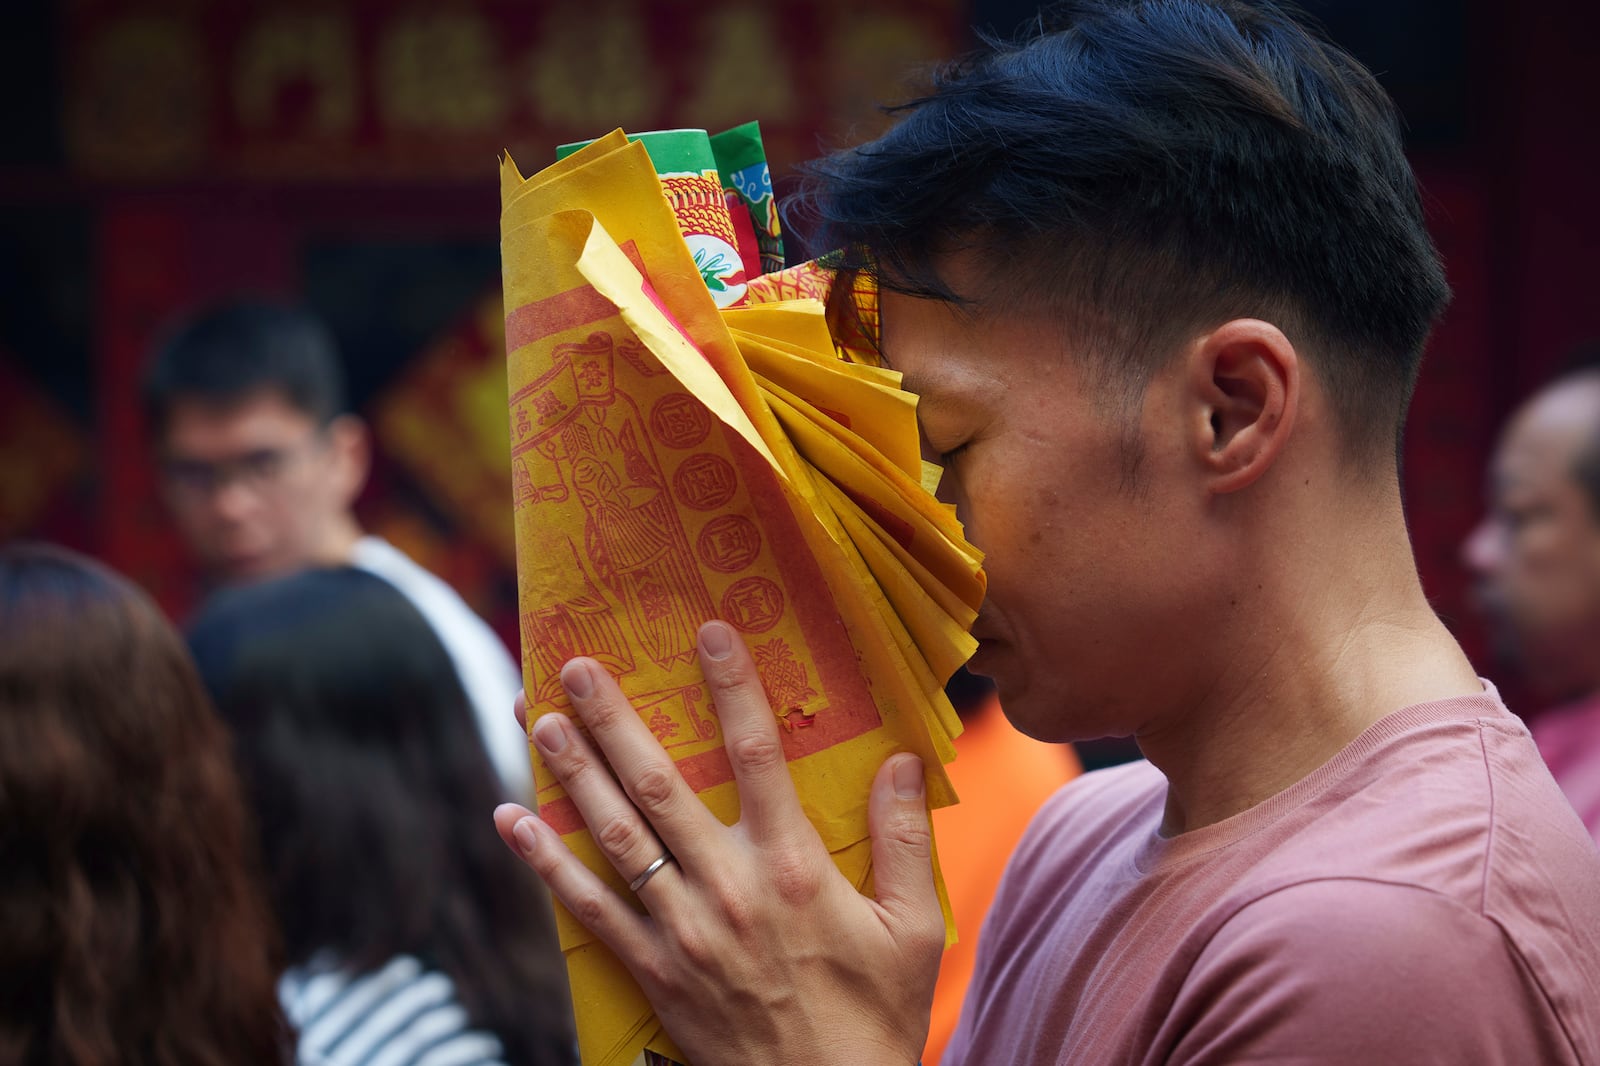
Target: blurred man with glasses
column 261, row 466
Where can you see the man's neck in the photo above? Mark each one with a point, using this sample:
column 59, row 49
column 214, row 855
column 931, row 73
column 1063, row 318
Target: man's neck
column 337, row 543
column 1337, row 636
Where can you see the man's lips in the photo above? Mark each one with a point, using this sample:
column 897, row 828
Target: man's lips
column 987, row 646
column 985, row 659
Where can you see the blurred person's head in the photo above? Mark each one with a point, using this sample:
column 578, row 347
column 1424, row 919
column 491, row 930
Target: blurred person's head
column 259, row 464
column 132, row 927
column 1536, row 553
column 1161, row 275
column 373, row 791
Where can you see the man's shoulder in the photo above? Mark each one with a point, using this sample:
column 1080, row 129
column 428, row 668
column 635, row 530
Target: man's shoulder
column 1449, row 867
column 1348, row 921
column 1119, row 784
column 1100, row 798
column 476, row 650
column 427, row 591
column 1338, row 966
column 377, row 556
column 1100, row 810
column 1363, row 931
column 1463, row 807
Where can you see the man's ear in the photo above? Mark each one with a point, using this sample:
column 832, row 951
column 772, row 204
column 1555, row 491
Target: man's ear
column 351, row 448
column 1244, row 386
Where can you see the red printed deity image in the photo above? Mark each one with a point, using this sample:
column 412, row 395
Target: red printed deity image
column 596, row 443
column 653, row 518
column 580, row 625
column 645, row 504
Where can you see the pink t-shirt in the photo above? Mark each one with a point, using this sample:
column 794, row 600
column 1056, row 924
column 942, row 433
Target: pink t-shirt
column 1427, row 896
column 1569, row 739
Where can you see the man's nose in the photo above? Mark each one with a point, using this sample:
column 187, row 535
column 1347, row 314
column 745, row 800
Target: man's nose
column 232, row 500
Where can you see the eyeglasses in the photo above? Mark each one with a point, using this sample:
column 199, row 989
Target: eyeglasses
column 260, row 470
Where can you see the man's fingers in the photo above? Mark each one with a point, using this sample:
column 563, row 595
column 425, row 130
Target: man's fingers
column 579, row 890
column 626, row 840
column 520, row 708
column 647, row 774
column 902, row 855
column 768, row 806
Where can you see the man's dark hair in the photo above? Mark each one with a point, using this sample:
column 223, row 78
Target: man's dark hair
column 1153, row 168
column 238, row 349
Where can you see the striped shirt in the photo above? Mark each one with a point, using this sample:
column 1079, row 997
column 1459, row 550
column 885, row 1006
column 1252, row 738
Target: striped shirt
column 400, row 1015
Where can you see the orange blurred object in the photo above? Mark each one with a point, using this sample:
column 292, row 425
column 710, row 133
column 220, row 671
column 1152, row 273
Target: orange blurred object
column 1003, row 779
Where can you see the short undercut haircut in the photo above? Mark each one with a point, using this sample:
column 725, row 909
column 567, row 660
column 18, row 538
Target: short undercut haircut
column 1150, row 169
column 234, row 351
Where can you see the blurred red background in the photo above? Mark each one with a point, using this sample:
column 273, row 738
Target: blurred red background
column 164, row 154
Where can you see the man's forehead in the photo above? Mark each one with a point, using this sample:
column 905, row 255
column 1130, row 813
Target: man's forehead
column 265, row 411
column 921, row 338
column 266, row 402
column 943, row 347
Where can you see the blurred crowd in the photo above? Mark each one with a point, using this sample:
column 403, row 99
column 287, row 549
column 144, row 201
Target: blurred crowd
column 273, row 841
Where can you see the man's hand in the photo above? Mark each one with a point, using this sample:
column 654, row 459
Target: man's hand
column 755, row 949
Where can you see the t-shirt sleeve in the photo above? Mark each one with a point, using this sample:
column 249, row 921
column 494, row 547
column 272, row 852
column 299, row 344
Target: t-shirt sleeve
column 1353, row 971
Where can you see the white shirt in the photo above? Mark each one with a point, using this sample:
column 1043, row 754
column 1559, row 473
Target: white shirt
column 488, row 674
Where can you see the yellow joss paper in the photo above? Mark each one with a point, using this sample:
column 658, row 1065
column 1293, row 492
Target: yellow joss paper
column 675, row 462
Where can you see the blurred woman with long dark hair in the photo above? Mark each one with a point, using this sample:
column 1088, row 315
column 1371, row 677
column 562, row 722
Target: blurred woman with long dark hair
column 132, row 929
column 409, row 930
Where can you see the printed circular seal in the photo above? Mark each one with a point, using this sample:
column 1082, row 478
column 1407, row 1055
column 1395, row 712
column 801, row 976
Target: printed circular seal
column 754, row 604
column 705, row 481
column 729, row 544
column 678, row 420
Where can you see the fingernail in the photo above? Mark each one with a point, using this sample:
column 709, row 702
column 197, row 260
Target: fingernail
column 527, row 838
column 577, row 680
column 548, row 734
column 908, row 778
column 715, row 640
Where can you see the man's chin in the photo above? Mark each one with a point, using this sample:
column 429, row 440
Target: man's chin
column 1029, row 714
column 244, row 569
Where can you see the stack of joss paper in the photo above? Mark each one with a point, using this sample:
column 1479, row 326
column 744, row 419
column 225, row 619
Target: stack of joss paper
column 691, row 439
